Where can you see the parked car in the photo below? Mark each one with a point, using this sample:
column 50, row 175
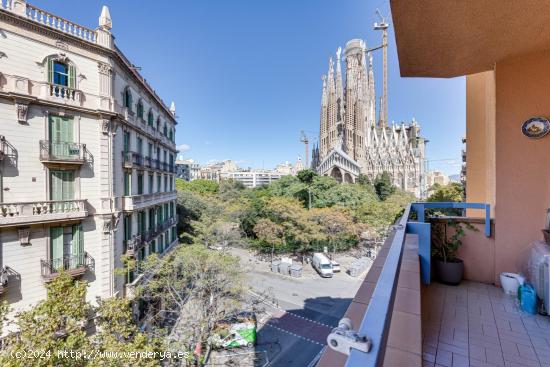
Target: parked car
column 335, row 266
column 322, row 264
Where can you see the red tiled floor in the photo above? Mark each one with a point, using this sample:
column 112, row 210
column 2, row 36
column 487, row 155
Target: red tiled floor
column 476, row 324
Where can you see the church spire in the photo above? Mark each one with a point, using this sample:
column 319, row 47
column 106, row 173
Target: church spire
column 339, row 87
column 324, row 98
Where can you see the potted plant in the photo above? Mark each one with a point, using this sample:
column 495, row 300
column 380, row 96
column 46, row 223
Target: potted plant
column 448, row 267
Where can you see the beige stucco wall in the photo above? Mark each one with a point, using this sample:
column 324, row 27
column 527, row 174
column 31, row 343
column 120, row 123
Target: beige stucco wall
column 522, row 181
column 480, row 140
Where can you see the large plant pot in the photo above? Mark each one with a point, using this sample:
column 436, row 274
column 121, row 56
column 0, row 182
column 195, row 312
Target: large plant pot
column 449, row 272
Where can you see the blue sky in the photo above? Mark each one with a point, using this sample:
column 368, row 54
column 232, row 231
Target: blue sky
column 246, row 74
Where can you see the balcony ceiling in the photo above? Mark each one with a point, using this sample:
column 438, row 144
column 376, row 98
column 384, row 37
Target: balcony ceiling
column 451, row 38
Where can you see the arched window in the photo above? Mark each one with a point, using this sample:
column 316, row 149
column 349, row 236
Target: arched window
column 165, row 130
column 61, row 72
column 158, row 123
column 150, row 118
column 128, row 98
column 140, row 109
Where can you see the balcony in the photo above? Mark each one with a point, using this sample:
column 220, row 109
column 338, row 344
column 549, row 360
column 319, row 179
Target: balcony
column 397, row 322
column 132, row 160
column 26, row 213
column 137, row 202
column 3, row 280
column 133, row 245
column 74, row 265
column 63, row 153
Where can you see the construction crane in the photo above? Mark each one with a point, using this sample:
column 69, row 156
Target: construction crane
column 383, row 26
column 305, row 140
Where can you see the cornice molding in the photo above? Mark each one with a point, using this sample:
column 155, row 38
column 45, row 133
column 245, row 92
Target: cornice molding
column 114, row 53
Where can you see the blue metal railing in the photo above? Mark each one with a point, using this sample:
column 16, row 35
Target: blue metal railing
column 376, row 322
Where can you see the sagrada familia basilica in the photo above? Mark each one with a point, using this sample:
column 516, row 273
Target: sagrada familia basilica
column 352, row 141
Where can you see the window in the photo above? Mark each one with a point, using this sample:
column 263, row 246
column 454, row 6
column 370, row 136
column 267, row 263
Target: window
column 127, row 98
column 62, row 189
column 127, row 227
column 158, row 183
column 150, row 118
column 126, row 141
column 170, row 135
column 150, row 183
column 152, row 247
column 171, row 210
column 150, row 151
column 141, row 222
column 127, row 183
column 166, row 211
column 62, row 141
column 158, row 123
column 165, row 130
column 140, row 109
column 140, row 146
column 140, row 183
column 66, row 247
column 151, row 219
column 61, row 73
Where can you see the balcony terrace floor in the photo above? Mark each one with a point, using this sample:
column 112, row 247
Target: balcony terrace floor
column 478, row 325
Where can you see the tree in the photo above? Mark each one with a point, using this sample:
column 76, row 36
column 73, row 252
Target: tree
column 306, row 176
column 383, row 185
column 197, row 288
column 338, row 225
column 54, row 324
column 116, row 332
column 451, row 192
column 59, row 324
column 270, row 233
column 201, row 186
column 363, row 179
column 221, row 234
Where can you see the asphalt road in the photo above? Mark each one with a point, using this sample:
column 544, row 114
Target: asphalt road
column 298, row 314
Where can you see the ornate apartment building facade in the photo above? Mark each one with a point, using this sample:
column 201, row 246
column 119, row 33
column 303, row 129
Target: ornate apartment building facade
column 87, row 153
column 351, row 140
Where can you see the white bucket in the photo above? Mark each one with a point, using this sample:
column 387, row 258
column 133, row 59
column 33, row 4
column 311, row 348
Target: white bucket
column 510, row 282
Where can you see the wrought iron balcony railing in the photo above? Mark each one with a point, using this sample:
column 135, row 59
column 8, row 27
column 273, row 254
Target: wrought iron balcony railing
column 63, row 152
column 75, row 265
column 132, row 159
column 3, row 280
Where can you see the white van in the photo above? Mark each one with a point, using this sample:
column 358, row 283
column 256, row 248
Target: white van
column 322, row 264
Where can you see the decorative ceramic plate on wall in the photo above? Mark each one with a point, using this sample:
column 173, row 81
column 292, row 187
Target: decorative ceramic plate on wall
column 536, row 127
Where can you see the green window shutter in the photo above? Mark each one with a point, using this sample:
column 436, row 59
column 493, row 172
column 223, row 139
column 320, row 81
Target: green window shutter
column 50, row 71
column 72, row 77
column 56, row 237
column 56, row 185
column 78, row 244
column 68, row 185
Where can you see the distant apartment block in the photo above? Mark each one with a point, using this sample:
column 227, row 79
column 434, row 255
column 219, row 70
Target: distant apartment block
column 252, row 179
column 87, row 157
column 187, row 169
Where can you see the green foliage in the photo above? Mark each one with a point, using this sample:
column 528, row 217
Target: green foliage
column 451, row 192
column 59, row 323
column 201, row 186
column 306, row 176
column 383, row 185
column 275, row 218
column 445, row 245
column 363, row 180
column 198, row 288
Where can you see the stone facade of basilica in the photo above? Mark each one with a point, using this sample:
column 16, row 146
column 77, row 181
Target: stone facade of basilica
column 351, row 139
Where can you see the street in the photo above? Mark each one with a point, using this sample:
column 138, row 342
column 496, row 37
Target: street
column 297, row 316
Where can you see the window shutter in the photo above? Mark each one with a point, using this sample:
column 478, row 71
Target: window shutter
column 72, row 77
column 56, row 253
column 50, row 70
column 78, row 244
